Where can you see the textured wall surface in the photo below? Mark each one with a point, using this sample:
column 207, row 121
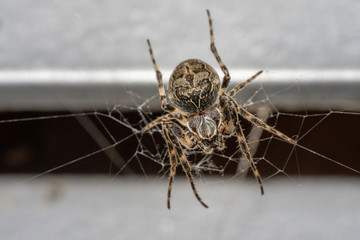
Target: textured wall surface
column 66, row 35
column 111, row 34
column 130, row 208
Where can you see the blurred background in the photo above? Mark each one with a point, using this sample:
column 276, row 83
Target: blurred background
column 64, row 65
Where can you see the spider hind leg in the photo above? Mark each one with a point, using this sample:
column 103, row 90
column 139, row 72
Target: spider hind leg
column 224, row 69
column 240, row 86
column 164, row 105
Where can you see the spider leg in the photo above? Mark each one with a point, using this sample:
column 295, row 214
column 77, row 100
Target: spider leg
column 163, row 118
column 228, row 127
column 190, row 139
column 258, row 122
column 240, row 86
column 186, row 138
column 221, row 129
column 245, row 148
column 164, row 105
column 224, row 69
column 184, row 163
column 183, row 137
column 173, row 162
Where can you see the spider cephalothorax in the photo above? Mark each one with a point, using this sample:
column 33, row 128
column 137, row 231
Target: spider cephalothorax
column 206, row 123
column 202, row 113
column 193, row 86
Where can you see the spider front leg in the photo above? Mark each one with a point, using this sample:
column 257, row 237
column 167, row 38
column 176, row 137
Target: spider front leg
column 173, row 161
column 244, row 145
column 258, row 122
column 245, row 150
column 185, row 138
column 164, row 118
column 171, row 138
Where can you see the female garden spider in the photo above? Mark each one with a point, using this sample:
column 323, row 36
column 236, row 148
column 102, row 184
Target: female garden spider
column 202, row 113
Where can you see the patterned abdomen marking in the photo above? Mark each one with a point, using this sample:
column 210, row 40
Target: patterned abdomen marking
column 193, row 86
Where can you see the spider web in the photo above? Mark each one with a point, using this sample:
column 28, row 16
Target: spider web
column 118, row 128
column 327, row 142
column 118, row 137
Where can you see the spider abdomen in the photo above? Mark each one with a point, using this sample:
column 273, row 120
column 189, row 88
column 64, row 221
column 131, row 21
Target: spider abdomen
column 193, row 86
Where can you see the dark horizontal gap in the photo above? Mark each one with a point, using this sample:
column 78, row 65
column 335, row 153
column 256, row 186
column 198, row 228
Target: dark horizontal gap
column 37, row 146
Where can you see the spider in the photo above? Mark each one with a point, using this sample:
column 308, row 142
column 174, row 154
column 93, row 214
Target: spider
column 202, row 113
